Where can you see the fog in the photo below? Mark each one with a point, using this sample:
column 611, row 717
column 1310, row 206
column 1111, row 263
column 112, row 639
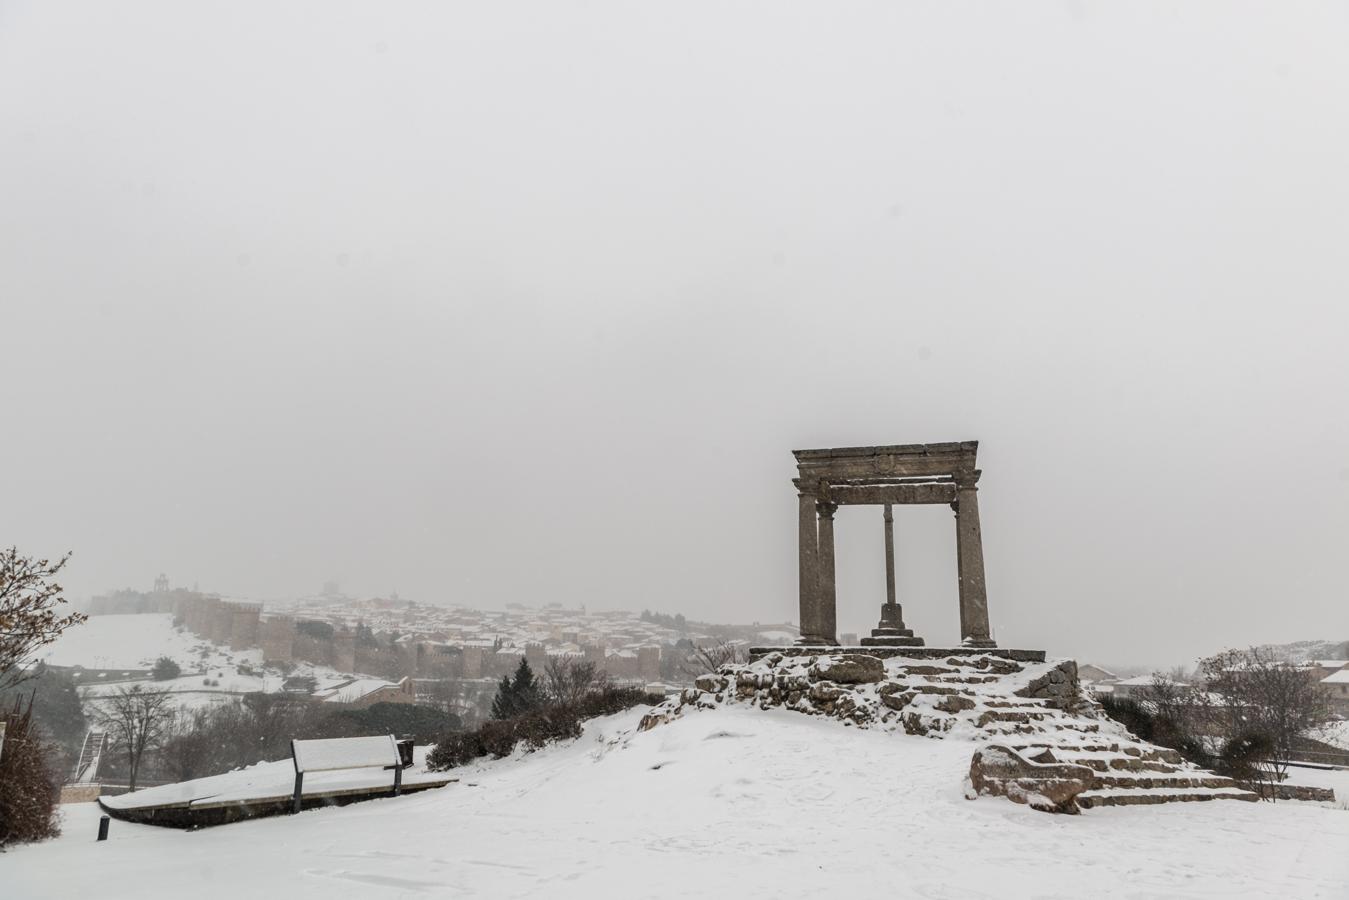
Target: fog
column 484, row 303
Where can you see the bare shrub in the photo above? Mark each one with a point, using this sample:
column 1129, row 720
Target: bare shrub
column 567, row 680
column 28, row 792
column 187, row 748
column 499, row 737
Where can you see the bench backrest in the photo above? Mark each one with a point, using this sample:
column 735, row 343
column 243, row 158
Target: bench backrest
column 345, row 753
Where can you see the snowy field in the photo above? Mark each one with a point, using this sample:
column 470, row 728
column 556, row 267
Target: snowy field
column 730, row 803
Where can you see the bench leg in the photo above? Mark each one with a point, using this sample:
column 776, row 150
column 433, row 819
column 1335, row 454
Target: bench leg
column 299, row 786
column 397, row 780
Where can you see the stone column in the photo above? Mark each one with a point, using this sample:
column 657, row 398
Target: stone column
column 809, row 571
column 889, row 555
column 826, row 603
column 974, row 631
column 891, row 630
column 960, row 566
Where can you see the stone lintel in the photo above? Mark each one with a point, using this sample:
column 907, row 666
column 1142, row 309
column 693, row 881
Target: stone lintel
column 944, row 492
column 911, row 652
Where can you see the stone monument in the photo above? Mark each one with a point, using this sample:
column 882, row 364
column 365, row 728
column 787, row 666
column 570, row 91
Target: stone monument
column 885, row 476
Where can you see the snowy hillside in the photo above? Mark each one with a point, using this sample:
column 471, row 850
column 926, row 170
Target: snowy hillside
column 211, row 673
column 135, row 642
column 720, row 803
column 1304, row 651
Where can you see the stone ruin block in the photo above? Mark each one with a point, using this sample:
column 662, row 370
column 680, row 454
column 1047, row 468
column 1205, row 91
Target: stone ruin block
column 1040, row 782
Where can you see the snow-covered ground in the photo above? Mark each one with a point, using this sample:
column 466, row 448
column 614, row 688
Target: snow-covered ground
column 1335, row 779
column 135, row 642
column 731, row 802
column 1336, row 734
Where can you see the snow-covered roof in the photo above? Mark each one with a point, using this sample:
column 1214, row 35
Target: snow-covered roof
column 1340, row 677
column 353, row 690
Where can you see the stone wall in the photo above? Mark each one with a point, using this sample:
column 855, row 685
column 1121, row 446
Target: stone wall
column 244, row 619
column 344, row 650
column 277, row 635
column 1297, row 792
column 80, row 793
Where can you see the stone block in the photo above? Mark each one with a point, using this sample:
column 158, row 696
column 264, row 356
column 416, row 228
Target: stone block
column 713, row 684
column 897, row 701
column 851, row 668
column 955, row 704
column 1000, row 771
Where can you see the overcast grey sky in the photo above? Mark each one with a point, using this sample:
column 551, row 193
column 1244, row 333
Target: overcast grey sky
column 493, row 302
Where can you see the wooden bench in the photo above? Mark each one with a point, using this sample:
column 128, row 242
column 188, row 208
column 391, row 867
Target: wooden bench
column 346, row 753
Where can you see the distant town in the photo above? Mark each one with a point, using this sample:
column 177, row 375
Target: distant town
column 362, row 651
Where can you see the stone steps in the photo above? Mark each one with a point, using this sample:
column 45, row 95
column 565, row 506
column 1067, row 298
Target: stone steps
column 1128, row 774
column 1026, row 714
column 1149, row 781
column 1142, row 752
column 1120, row 764
column 1149, row 796
column 964, row 679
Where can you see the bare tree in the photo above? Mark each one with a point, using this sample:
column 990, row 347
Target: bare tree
column 710, row 657
column 28, row 611
column 568, row 680
column 1267, row 700
column 135, row 721
column 187, row 750
column 1178, row 708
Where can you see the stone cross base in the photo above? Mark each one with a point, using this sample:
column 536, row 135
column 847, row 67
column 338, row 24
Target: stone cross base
column 891, row 632
column 892, row 640
column 885, row 652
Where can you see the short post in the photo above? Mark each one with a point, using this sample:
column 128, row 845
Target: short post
column 398, row 779
column 103, row 827
column 299, row 779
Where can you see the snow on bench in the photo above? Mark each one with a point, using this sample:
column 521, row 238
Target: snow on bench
column 346, row 753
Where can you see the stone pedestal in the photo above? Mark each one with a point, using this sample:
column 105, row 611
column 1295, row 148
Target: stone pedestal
column 891, row 631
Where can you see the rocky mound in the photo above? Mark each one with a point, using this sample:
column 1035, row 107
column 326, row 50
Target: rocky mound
column 1042, row 741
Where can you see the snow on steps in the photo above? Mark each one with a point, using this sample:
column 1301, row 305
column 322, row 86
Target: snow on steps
column 1030, row 708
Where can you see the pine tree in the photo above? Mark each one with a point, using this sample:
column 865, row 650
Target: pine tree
column 503, row 704
column 528, row 693
column 518, row 696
